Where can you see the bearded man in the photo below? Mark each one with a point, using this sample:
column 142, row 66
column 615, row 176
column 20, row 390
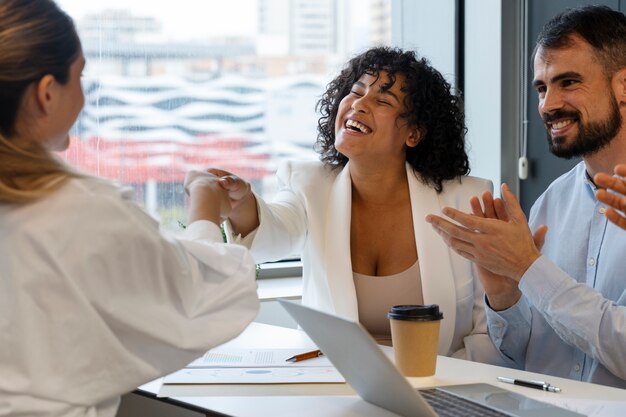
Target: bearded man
column 556, row 300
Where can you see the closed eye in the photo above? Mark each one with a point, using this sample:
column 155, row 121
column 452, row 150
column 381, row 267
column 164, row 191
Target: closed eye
column 540, row 89
column 568, row 82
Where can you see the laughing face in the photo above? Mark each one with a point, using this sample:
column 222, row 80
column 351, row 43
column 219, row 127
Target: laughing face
column 368, row 123
column 576, row 100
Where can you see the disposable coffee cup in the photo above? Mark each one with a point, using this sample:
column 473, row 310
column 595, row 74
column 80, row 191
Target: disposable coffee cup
column 415, row 338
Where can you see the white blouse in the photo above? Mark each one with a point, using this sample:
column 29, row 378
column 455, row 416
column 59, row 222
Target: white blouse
column 377, row 294
column 95, row 301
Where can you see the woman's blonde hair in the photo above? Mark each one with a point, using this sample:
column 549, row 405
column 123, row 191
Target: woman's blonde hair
column 36, row 39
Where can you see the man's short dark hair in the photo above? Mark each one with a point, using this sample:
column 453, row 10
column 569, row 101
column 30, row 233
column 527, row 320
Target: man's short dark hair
column 600, row 26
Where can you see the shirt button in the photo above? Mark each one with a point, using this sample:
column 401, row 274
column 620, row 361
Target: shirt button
column 577, row 367
column 602, row 210
column 592, row 262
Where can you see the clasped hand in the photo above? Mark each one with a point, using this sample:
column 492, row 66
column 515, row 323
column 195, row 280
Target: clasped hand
column 238, row 189
column 208, row 200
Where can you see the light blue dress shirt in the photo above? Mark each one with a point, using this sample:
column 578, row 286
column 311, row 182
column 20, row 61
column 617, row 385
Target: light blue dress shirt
column 571, row 320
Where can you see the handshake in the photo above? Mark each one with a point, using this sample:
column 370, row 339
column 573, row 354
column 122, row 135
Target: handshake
column 214, row 194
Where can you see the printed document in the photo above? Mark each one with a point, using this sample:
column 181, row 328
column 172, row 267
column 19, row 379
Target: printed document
column 255, row 366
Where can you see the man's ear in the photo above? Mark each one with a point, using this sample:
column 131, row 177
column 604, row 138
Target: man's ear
column 619, row 80
column 415, row 137
column 45, row 93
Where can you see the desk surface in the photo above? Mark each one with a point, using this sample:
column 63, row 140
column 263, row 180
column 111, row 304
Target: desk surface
column 335, row 400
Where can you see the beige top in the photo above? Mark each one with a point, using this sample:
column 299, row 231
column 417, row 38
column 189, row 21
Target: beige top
column 376, row 296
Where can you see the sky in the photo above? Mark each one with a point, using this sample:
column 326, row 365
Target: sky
column 181, row 19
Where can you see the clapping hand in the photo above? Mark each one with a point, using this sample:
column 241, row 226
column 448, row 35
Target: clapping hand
column 497, row 238
column 615, row 199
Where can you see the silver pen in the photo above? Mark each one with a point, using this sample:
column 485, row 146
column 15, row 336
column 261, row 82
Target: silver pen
column 542, row 385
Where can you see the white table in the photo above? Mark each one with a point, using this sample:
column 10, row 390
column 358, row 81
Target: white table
column 339, row 400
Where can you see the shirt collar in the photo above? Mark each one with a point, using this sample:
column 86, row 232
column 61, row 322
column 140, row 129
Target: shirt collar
column 589, row 181
column 586, row 180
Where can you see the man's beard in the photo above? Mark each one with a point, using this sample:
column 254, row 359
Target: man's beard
column 591, row 138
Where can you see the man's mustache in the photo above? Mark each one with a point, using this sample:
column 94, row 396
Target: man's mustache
column 559, row 114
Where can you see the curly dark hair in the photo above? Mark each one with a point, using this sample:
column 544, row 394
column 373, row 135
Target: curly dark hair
column 430, row 106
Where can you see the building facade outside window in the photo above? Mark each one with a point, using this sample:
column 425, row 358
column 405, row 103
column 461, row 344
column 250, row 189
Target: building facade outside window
column 174, row 86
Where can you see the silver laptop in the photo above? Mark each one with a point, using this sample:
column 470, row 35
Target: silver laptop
column 375, row 378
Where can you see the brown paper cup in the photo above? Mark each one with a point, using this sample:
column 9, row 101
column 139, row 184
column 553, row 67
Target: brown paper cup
column 415, row 341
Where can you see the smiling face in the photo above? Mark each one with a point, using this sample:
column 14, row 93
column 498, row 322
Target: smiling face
column 368, row 123
column 576, row 100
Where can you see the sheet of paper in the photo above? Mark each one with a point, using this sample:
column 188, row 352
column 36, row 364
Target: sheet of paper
column 254, row 358
column 266, row 375
column 591, row 408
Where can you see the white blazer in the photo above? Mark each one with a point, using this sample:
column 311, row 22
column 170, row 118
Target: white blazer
column 311, row 215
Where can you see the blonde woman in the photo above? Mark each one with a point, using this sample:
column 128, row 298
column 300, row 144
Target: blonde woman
column 94, row 301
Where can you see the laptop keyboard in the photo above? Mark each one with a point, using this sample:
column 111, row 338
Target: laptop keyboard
column 449, row 405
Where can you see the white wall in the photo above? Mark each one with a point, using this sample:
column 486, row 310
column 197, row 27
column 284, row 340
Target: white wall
column 428, row 28
column 483, row 87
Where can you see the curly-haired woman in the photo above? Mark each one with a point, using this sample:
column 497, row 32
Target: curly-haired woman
column 391, row 140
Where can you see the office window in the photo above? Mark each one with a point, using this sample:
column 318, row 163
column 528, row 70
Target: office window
column 176, row 85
